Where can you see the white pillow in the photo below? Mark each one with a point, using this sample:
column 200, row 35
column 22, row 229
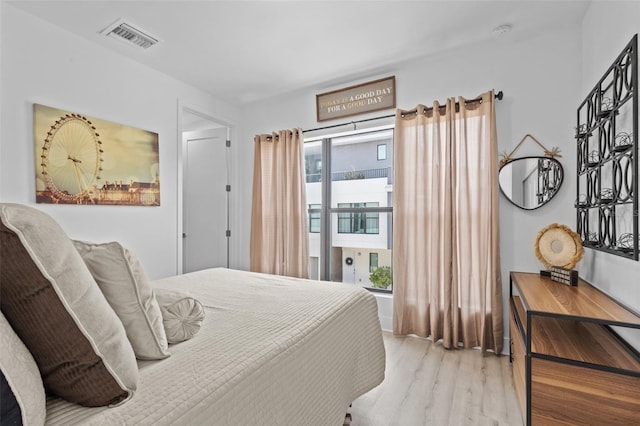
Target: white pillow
column 181, row 313
column 124, row 283
column 21, row 372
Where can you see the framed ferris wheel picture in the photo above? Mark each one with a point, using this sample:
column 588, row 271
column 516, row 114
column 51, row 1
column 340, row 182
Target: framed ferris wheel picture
column 86, row 160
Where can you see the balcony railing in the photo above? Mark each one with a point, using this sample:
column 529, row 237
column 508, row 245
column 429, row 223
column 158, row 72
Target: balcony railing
column 354, row 174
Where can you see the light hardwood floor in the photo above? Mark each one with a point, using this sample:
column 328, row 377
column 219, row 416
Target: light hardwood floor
column 428, row 385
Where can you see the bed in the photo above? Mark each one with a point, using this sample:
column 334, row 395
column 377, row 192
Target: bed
column 271, row 350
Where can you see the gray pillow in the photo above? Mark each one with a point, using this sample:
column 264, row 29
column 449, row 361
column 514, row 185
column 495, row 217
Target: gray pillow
column 124, row 283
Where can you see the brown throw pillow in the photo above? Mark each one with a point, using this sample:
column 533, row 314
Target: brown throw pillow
column 56, row 308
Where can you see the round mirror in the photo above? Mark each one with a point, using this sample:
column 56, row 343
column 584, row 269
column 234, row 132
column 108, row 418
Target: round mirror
column 530, row 182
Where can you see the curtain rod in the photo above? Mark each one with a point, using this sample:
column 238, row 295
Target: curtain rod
column 498, row 96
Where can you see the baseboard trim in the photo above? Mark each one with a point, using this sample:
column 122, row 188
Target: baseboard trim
column 386, row 323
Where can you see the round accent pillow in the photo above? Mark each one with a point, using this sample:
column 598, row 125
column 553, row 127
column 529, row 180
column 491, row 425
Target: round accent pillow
column 182, row 315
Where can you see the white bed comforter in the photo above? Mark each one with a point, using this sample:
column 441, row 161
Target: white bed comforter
column 271, row 351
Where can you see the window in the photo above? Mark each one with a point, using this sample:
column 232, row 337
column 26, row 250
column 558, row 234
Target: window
column 382, row 152
column 314, row 218
column 358, row 223
column 349, row 195
column 373, row 261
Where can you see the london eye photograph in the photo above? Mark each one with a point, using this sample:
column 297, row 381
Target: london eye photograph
column 85, row 160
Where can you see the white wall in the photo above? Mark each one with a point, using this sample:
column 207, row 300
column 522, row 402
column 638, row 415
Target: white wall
column 544, row 78
column 539, row 75
column 45, row 64
column 606, row 30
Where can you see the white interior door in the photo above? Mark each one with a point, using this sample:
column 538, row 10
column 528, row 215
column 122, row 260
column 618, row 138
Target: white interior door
column 205, row 200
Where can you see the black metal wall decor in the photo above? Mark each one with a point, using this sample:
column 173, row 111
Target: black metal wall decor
column 550, row 176
column 607, row 142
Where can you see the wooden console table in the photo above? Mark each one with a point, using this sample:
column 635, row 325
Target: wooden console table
column 569, row 366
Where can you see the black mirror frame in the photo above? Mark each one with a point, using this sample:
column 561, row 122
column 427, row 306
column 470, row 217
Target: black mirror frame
column 557, row 188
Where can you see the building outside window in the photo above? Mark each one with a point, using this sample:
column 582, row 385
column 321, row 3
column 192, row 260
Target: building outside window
column 373, row 261
column 314, row 218
column 382, row 152
column 349, row 185
column 358, row 223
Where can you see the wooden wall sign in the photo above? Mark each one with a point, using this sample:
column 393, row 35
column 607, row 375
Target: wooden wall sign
column 366, row 97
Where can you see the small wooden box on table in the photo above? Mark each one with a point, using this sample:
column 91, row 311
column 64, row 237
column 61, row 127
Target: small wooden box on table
column 569, row 366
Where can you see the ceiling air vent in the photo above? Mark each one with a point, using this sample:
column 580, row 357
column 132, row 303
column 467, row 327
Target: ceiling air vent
column 131, row 35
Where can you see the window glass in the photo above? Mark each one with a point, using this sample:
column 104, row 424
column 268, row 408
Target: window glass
column 354, row 244
column 358, row 223
column 373, row 261
column 314, row 218
column 313, row 162
column 382, row 152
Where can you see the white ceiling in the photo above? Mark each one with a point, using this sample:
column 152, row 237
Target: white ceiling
column 242, row 51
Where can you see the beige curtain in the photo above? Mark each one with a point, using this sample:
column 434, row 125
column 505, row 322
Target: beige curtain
column 279, row 225
column 446, row 266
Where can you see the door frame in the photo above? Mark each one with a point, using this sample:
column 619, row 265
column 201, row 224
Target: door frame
column 183, row 108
